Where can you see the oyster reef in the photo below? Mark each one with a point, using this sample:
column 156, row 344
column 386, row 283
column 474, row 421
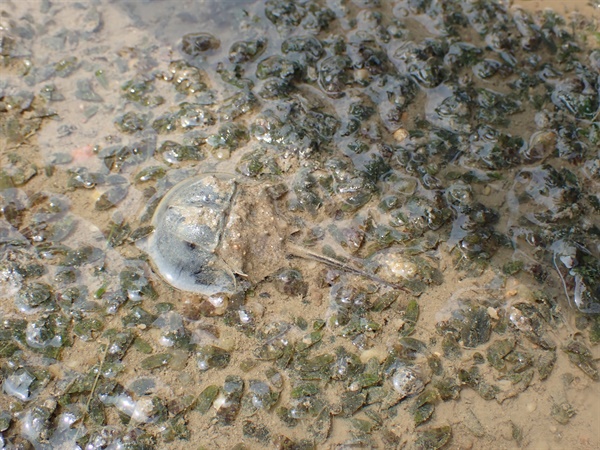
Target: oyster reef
column 298, row 225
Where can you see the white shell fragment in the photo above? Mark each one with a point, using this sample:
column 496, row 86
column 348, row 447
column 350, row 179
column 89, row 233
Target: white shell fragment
column 407, row 382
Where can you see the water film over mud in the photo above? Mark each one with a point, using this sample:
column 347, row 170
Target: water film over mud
column 297, row 225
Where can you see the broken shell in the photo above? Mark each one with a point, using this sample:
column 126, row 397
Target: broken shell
column 407, row 382
column 394, row 267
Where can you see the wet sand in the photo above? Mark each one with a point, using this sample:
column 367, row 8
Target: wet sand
column 476, row 423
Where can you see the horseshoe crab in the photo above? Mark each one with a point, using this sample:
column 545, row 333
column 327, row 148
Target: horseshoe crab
column 212, row 228
column 208, row 230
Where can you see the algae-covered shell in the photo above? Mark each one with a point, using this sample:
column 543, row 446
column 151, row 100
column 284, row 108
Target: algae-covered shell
column 189, row 224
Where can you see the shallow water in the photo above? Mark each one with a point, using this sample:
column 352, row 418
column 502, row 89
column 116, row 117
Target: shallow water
column 98, row 350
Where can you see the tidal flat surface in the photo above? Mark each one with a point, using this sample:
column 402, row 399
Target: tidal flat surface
column 410, row 238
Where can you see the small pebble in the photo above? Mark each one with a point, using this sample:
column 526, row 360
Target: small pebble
column 400, row 134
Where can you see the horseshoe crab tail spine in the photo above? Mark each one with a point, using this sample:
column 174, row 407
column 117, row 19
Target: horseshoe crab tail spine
column 300, row 252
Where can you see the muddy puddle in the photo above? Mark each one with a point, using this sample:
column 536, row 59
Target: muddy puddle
column 379, row 225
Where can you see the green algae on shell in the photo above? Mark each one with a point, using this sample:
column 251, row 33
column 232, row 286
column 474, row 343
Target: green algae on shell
column 434, row 438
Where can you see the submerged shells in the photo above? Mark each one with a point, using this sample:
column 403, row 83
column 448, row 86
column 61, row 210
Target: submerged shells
column 391, row 148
